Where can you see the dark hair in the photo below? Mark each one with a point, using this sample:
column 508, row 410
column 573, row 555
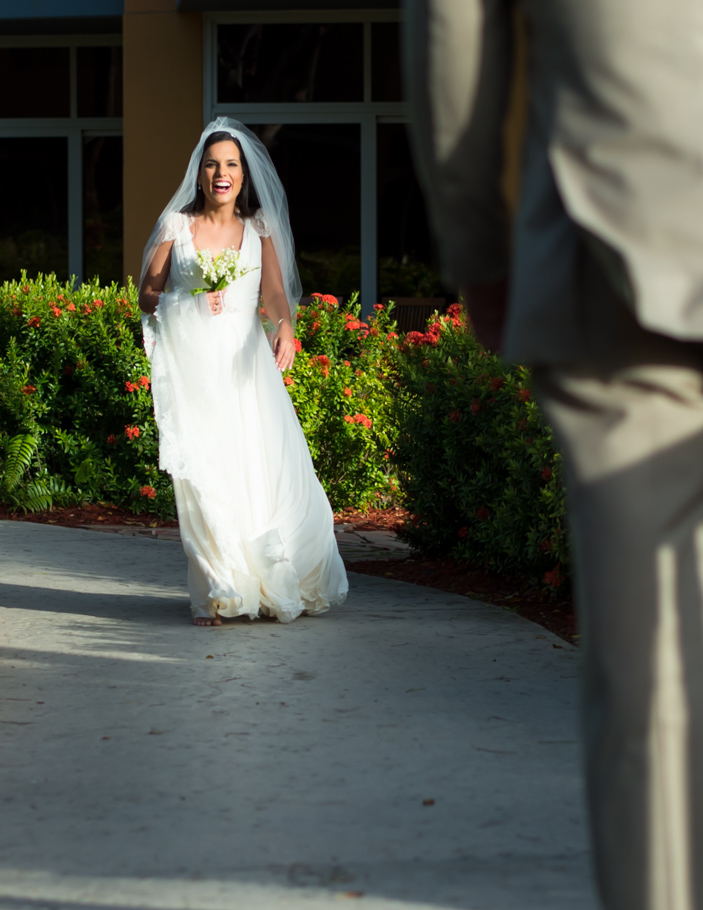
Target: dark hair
column 247, row 202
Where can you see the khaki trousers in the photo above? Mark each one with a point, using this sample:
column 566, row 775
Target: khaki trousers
column 632, row 436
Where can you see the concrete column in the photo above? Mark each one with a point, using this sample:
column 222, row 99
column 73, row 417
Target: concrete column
column 163, row 112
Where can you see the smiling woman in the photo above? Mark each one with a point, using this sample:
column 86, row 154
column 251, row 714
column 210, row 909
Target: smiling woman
column 255, row 523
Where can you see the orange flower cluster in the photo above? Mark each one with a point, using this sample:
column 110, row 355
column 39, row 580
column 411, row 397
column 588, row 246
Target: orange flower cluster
column 34, row 322
column 359, row 418
column 323, row 362
column 131, row 432
column 147, row 491
column 134, row 386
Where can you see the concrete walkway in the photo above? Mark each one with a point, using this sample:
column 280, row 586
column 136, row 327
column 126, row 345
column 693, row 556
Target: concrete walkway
column 411, row 749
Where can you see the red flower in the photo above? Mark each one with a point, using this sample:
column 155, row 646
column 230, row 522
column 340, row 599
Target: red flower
column 34, row 322
column 463, row 532
column 316, row 294
column 323, row 362
column 144, row 381
column 348, row 418
column 329, row 300
column 454, row 311
column 25, row 289
column 347, row 392
column 373, row 331
column 131, row 386
column 358, row 372
column 455, row 415
column 71, row 307
column 87, row 309
column 363, row 420
column 346, row 363
column 392, row 335
column 554, row 577
column 149, row 492
column 546, row 473
column 98, row 303
column 523, row 395
column 482, row 513
column 131, row 432
column 59, row 297
column 476, row 406
column 298, row 346
column 111, row 441
column 352, row 324
column 315, row 326
column 28, row 389
column 56, row 310
column 288, row 381
column 496, row 383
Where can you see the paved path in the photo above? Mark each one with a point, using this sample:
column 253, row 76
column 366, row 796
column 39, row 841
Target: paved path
column 411, row 749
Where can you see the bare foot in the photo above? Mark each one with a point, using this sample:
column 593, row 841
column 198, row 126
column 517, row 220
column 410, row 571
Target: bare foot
column 207, row 621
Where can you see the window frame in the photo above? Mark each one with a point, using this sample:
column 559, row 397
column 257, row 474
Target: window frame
column 366, row 113
column 73, row 128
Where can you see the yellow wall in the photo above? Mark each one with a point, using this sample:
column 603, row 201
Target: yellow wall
column 163, row 112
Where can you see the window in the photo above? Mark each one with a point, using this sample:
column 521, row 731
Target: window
column 33, row 207
column 324, row 92
column 60, row 128
column 36, row 82
column 290, row 63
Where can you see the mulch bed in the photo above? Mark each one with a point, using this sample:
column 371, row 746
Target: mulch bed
column 554, row 612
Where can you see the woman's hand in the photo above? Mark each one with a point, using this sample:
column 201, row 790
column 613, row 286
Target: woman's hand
column 216, row 302
column 284, row 346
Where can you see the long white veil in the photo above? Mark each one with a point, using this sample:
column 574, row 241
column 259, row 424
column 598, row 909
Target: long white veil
column 269, row 189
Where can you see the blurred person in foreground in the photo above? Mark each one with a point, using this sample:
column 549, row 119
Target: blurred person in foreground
column 605, row 301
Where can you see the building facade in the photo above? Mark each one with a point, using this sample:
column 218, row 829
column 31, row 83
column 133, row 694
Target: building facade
column 104, row 101
column 108, row 98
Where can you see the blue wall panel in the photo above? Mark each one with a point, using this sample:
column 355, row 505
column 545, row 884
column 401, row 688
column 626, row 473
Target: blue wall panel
column 59, row 9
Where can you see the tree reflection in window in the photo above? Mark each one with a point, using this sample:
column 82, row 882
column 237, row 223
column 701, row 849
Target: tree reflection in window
column 290, row 63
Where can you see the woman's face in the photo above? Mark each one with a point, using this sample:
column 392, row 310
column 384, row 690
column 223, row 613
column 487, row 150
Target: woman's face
column 221, row 173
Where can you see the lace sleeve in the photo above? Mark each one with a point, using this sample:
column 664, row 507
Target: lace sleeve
column 171, row 226
column 260, row 225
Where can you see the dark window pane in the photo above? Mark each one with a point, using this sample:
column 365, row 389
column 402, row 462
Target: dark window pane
column 270, row 63
column 386, row 84
column 407, row 266
column 320, row 168
column 33, row 224
column 35, row 82
column 99, row 81
column 102, row 208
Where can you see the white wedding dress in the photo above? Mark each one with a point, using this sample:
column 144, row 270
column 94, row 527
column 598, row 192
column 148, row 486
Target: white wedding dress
column 255, row 523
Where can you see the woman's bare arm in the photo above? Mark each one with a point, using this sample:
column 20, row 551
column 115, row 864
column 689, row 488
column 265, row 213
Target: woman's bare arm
column 155, row 278
column 276, row 304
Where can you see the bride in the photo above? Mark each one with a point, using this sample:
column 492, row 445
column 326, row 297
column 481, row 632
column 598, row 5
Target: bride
column 255, row 523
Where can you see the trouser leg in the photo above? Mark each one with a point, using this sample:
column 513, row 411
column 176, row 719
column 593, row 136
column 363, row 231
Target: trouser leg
column 633, row 443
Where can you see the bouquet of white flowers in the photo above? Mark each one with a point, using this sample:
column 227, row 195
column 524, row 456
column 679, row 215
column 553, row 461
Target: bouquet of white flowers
column 220, row 271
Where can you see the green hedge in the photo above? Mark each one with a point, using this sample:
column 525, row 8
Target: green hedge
column 431, row 420
column 76, row 419
column 476, row 462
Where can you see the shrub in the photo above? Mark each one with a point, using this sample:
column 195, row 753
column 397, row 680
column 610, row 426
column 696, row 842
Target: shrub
column 74, row 387
column 476, row 463
column 76, row 418
column 338, row 385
